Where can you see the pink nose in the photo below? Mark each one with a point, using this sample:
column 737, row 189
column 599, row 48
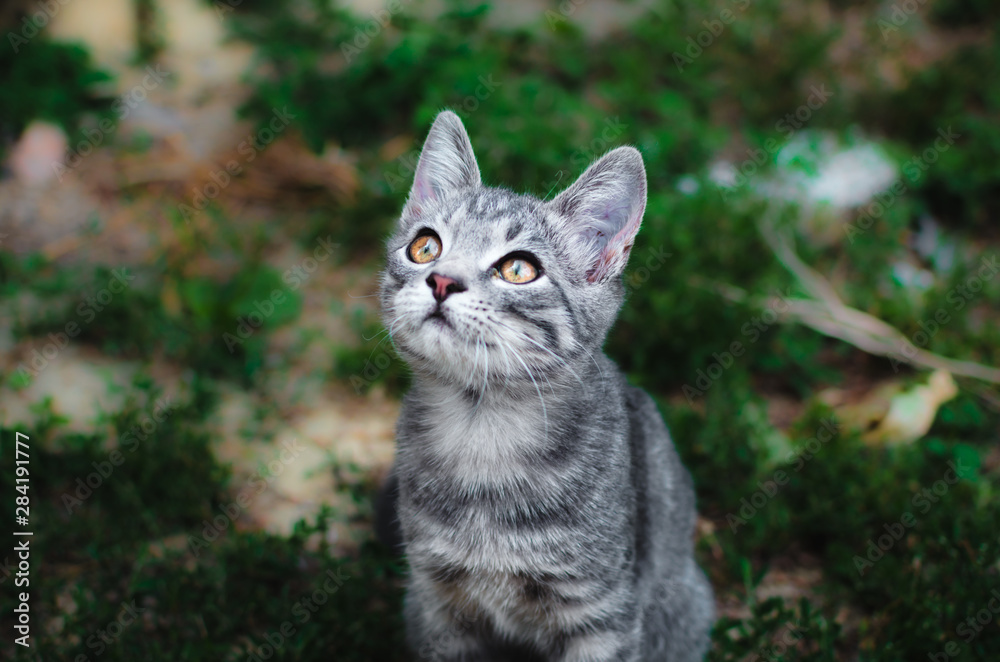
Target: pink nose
column 443, row 286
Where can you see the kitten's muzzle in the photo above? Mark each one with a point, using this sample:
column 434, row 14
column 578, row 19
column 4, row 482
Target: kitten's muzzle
column 442, row 286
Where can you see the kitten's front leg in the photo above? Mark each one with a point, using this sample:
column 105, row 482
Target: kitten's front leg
column 450, row 642
column 445, row 646
column 602, row 646
column 436, row 634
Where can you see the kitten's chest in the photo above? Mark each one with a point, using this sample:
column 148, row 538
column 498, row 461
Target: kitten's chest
column 477, row 492
column 484, row 442
column 517, row 581
column 493, row 517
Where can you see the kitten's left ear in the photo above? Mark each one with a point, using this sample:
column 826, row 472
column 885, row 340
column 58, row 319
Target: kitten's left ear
column 603, row 210
column 446, row 162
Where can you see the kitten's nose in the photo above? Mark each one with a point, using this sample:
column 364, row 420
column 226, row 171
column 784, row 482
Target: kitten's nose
column 443, row 286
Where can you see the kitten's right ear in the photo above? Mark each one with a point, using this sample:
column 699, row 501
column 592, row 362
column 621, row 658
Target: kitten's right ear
column 446, row 162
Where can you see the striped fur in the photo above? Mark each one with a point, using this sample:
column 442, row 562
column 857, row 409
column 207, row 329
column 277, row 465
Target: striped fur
column 543, row 508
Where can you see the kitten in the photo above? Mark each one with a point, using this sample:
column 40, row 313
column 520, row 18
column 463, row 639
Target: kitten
column 543, row 509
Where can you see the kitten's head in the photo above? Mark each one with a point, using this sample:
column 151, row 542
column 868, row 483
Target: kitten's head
column 483, row 285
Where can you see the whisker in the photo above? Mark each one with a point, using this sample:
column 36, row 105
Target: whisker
column 486, row 370
column 545, row 414
column 559, row 359
column 388, row 334
column 604, row 382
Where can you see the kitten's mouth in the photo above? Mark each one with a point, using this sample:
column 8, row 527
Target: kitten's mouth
column 438, row 316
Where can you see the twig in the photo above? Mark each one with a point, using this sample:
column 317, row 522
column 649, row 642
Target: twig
column 827, row 314
column 784, row 251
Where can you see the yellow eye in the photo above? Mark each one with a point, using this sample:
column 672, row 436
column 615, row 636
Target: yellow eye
column 517, row 270
column 425, row 248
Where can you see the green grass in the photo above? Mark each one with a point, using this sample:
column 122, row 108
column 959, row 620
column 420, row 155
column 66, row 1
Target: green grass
column 56, row 82
column 555, row 100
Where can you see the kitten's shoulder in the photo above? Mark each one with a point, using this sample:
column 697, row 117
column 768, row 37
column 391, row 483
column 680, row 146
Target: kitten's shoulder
column 642, row 407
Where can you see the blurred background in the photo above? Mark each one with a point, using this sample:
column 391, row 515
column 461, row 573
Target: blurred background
column 192, row 209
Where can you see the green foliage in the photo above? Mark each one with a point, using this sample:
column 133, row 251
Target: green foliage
column 775, row 632
column 961, row 13
column 958, row 93
column 149, row 41
column 51, row 81
column 892, row 527
column 374, row 362
column 125, row 542
column 540, row 103
column 220, row 326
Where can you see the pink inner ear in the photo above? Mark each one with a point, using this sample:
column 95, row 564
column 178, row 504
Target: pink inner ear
column 422, row 188
column 615, row 252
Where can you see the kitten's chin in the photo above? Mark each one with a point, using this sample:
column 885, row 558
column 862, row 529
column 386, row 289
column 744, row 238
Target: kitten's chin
column 437, row 348
column 438, row 320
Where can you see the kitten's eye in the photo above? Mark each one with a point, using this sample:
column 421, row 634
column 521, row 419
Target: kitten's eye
column 517, row 270
column 425, row 248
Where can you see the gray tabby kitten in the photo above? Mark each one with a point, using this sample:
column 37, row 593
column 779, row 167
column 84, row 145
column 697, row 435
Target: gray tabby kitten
column 541, row 504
